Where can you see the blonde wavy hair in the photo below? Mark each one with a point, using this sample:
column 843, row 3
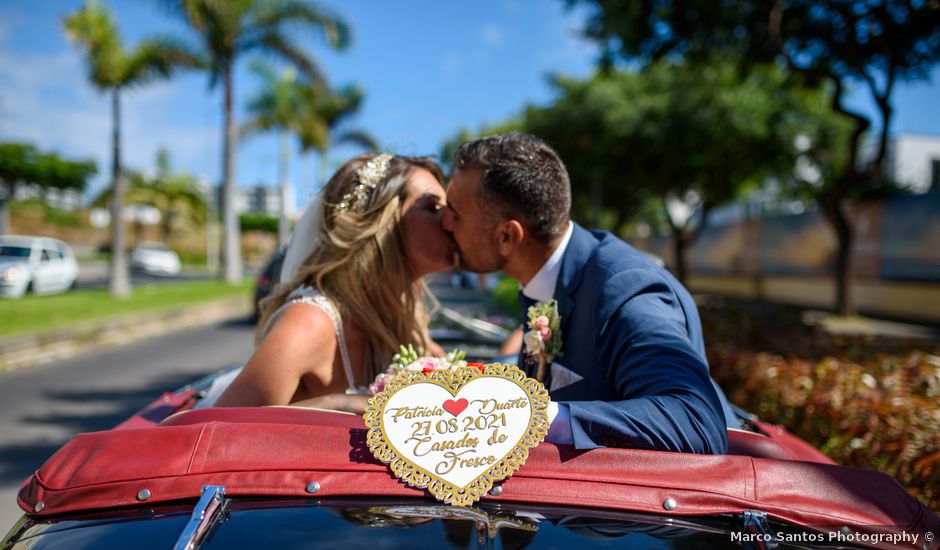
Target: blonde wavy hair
column 359, row 263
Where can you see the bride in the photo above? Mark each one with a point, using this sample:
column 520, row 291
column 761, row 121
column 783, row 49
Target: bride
column 358, row 295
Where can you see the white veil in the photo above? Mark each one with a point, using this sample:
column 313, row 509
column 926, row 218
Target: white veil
column 303, row 240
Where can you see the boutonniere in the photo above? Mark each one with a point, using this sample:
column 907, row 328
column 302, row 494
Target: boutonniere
column 543, row 339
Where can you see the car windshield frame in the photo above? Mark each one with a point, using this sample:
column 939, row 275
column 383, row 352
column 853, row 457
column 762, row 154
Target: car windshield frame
column 402, row 522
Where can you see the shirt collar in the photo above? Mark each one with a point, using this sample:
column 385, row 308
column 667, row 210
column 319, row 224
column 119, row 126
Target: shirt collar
column 542, row 286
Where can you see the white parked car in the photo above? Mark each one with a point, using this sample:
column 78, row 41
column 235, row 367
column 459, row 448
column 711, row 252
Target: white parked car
column 35, row 264
column 155, row 258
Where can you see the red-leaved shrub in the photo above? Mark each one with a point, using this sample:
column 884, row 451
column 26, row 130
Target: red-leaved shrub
column 865, row 401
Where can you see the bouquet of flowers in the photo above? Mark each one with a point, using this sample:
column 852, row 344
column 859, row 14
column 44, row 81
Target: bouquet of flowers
column 408, row 360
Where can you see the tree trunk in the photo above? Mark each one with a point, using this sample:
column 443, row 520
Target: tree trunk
column 679, row 245
column 835, row 213
column 120, row 281
column 138, row 232
column 283, row 224
column 231, row 253
column 4, row 215
column 166, row 218
column 7, row 195
column 833, row 202
column 166, row 226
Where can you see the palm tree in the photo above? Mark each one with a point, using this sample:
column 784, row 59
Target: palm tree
column 113, row 69
column 275, row 108
column 175, row 195
column 321, row 123
column 229, row 28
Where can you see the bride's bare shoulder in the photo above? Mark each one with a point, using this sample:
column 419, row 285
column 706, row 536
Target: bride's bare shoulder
column 301, row 341
column 302, row 325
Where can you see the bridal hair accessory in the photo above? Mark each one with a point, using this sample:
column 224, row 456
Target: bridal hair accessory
column 369, row 175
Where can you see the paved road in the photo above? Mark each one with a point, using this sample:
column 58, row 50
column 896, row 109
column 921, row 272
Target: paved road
column 44, row 406
column 94, row 275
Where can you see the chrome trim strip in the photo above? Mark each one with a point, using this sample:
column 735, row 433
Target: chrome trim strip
column 206, row 514
column 755, row 522
column 484, row 329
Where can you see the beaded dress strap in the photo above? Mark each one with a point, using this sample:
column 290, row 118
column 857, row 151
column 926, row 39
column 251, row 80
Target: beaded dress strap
column 310, row 296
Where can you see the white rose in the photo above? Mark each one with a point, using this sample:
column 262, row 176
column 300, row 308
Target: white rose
column 533, row 342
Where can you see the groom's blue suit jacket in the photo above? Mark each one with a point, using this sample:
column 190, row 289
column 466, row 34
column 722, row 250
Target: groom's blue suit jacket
column 633, row 333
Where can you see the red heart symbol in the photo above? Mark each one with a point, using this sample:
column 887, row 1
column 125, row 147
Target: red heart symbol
column 455, row 407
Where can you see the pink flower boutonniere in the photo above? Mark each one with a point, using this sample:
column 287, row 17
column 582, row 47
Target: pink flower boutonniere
column 543, row 339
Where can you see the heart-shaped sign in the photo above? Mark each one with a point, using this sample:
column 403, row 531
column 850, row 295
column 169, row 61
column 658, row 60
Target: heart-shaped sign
column 456, row 432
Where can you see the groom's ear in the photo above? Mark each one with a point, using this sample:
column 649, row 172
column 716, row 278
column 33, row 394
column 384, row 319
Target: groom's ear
column 509, row 236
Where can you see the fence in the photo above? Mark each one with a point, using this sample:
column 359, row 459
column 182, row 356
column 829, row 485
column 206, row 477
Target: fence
column 790, row 258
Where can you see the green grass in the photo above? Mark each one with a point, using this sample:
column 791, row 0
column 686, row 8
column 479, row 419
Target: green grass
column 33, row 314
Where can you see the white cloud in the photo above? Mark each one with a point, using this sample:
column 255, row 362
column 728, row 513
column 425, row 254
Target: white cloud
column 513, row 6
column 8, row 20
column 573, row 48
column 492, row 35
column 46, row 99
column 452, row 63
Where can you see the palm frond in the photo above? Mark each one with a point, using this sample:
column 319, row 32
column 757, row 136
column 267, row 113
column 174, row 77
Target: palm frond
column 275, row 14
column 158, row 58
column 277, row 44
column 257, row 125
column 94, row 28
column 341, row 105
column 312, row 132
column 278, row 102
column 357, row 137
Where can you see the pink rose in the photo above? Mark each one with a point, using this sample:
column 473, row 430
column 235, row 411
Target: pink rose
column 541, row 322
column 546, row 334
column 380, row 382
column 423, row 364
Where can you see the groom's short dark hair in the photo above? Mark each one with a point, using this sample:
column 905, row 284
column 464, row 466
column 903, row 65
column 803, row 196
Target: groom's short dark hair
column 522, row 178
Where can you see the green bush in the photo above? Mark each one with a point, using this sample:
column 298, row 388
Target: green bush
column 865, row 402
column 62, row 218
column 188, row 257
column 256, row 222
column 506, row 296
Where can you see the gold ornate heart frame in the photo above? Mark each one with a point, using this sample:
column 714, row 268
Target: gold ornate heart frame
column 452, row 381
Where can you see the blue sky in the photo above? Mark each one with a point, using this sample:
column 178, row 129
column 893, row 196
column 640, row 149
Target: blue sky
column 428, row 69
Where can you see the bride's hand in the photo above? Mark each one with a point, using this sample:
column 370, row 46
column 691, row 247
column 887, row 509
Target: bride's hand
column 355, row 404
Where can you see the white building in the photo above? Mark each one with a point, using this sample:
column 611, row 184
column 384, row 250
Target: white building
column 258, row 199
column 913, row 160
column 63, row 199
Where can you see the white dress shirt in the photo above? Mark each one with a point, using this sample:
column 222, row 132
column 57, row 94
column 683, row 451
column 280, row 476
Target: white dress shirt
column 541, row 288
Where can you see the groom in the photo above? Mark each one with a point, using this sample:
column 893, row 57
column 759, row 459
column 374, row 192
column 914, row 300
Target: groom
column 632, row 369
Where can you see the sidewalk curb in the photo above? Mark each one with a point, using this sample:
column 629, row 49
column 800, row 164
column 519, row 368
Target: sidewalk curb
column 17, row 352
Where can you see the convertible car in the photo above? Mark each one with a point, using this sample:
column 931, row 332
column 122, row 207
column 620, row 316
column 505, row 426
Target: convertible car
column 283, row 477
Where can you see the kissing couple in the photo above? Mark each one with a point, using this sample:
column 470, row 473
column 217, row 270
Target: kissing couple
column 630, row 368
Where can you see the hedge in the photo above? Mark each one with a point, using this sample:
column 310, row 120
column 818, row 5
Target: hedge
column 866, row 402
